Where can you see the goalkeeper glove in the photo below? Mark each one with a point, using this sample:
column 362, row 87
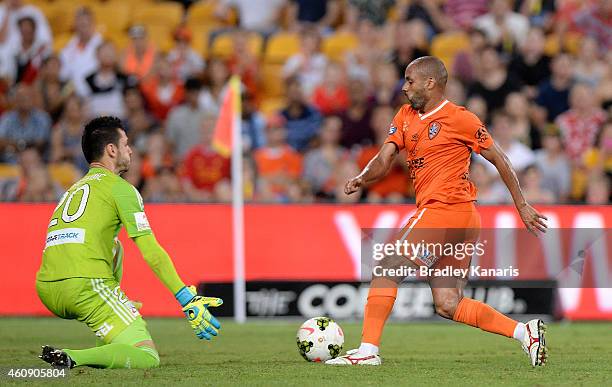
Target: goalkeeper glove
column 195, row 307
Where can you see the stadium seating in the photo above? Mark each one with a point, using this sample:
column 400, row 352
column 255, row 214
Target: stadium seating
column 168, row 14
column 280, row 47
column 447, row 45
column 161, row 35
column 64, row 173
column 61, row 17
column 223, row 45
column 272, row 85
column 335, row 46
column 112, row 16
column 270, row 106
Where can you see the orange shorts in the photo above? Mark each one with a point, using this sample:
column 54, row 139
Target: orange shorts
column 448, row 232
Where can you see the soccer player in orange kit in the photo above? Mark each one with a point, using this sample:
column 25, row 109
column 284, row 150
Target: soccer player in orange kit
column 439, row 137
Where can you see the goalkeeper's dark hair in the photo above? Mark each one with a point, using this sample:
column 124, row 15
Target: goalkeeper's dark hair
column 98, row 133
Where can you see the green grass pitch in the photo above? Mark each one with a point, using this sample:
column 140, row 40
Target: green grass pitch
column 264, row 353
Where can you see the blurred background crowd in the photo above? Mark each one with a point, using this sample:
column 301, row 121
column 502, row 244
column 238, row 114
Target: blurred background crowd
column 321, row 82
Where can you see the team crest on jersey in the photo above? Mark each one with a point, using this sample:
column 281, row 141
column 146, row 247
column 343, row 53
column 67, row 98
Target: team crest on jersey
column 434, row 129
column 392, row 130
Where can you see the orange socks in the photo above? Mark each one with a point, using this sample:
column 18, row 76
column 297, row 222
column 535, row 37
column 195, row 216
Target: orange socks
column 377, row 310
column 478, row 314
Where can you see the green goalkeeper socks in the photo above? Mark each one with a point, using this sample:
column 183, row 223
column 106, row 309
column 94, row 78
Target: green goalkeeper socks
column 115, row 355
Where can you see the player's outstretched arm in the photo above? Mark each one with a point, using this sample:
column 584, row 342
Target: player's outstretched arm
column 195, row 307
column 534, row 221
column 376, row 169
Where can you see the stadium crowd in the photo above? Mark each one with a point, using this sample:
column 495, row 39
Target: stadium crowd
column 321, row 82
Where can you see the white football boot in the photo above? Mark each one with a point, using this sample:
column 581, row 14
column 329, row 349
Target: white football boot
column 353, row 357
column 534, row 343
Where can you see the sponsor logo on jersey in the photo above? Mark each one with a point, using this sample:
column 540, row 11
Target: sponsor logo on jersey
column 434, row 129
column 142, row 223
column 65, row 235
column 392, row 130
column 481, row 135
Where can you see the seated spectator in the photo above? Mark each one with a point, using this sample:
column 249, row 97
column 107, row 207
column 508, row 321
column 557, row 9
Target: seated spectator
column 302, row 120
column 519, row 154
column 206, row 173
column 67, row 133
column 185, row 62
column 594, row 20
column 455, row 92
column 25, row 60
column 253, row 125
column 477, row 105
column 331, row 96
column 215, row 79
column 597, row 161
column 394, row 187
column 184, row 123
column 345, row 171
column 139, row 56
column 35, row 183
column 157, row 156
column 244, row 63
column 322, row 14
column 533, row 190
column 79, row 58
column 105, row 86
column 50, row 90
column 554, row 166
column 466, row 65
column 581, row 123
column 604, row 90
column 517, row 107
column 164, row 187
column 308, row 65
column 460, row 14
column 409, row 43
column 503, row 26
column 598, row 192
column 24, row 126
column 134, row 174
column 262, row 16
column 553, row 94
column 374, row 11
column 161, row 90
column 139, row 123
column 370, row 51
column 387, row 86
column 11, row 11
column 491, row 190
column 493, row 83
column 320, row 163
column 279, row 166
column 589, row 67
column 539, row 12
column 531, row 65
column 356, row 121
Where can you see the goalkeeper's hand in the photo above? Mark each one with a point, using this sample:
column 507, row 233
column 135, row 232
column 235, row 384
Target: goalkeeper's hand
column 195, row 307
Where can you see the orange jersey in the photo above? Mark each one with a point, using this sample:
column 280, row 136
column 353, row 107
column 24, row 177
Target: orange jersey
column 438, row 148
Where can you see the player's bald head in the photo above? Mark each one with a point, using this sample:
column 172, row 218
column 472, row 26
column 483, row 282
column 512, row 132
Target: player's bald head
column 429, row 67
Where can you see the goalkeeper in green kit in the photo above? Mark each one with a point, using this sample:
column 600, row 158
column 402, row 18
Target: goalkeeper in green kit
column 81, row 266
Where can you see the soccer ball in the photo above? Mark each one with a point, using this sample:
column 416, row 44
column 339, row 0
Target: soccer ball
column 320, row 339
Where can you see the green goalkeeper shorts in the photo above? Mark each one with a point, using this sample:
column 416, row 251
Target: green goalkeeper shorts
column 99, row 303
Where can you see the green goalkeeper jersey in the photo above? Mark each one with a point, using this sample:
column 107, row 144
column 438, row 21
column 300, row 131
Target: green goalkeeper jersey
column 81, row 235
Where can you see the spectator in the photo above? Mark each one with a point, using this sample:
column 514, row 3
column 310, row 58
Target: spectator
column 215, row 79
column 105, row 86
column 356, row 129
column 531, row 65
column 491, row 190
column 302, row 120
column 185, row 62
column 387, row 86
column 67, row 133
column 35, row 184
column 24, row 126
column 27, row 58
column 598, row 192
column 161, row 90
column 50, row 91
column 156, row 157
column 553, row 94
column 589, row 68
column 503, row 27
column 331, row 96
column 410, row 43
column 519, row 154
column 604, row 90
column 183, row 127
column 345, row 171
column 466, row 63
column 11, row 11
column 139, row 56
column 279, row 166
column 539, row 12
column 165, row 187
column 253, row 125
column 517, row 108
column 361, row 60
column 321, row 163
column 477, row 105
column 322, row 14
column 594, row 20
column 493, row 81
column 262, row 16
column 138, row 121
column 533, row 190
column 244, row 63
column 460, row 14
column 581, row 123
column 394, row 187
column 553, row 164
column 206, row 173
column 455, row 92
column 79, row 58
column 375, row 11
column 134, row 174
column 429, row 12
column 309, row 64
column 598, row 159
